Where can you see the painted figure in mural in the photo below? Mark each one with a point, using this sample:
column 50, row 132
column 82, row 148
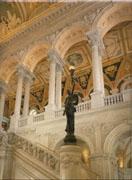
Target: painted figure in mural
column 70, row 102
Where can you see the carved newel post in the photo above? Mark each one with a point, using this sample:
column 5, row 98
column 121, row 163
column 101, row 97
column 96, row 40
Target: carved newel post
column 71, row 166
column 6, row 156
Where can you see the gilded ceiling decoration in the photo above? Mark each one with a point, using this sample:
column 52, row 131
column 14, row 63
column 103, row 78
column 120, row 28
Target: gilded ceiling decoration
column 13, row 14
column 75, row 59
column 117, row 64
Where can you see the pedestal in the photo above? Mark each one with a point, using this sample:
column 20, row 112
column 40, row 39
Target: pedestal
column 71, row 166
column 70, row 139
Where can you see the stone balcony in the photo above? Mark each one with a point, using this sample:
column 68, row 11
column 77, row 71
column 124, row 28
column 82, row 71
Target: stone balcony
column 116, row 109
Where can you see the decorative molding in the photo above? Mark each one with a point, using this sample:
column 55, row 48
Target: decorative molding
column 23, row 36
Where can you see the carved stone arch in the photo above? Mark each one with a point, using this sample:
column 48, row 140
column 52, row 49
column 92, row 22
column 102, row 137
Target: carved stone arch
column 111, row 16
column 128, row 81
column 68, row 37
column 114, row 136
column 35, row 55
column 124, row 81
column 9, row 65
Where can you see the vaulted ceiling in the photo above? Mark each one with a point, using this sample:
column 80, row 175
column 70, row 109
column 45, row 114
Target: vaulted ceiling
column 117, row 58
column 117, row 64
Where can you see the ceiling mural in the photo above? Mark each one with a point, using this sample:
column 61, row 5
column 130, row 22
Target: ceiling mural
column 113, row 44
column 111, row 70
column 13, row 14
column 75, row 59
column 83, row 80
column 38, row 94
column 42, row 72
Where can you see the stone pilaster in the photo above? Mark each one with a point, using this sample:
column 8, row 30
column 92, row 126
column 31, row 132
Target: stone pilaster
column 98, row 143
column 97, row 97
column 104, row 165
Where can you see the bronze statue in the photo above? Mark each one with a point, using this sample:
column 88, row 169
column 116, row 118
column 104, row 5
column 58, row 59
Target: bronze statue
column 70, row 102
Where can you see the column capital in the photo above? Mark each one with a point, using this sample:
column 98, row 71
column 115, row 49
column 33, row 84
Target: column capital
column 25, row 73
column 95, row 39
column 3, row 86
column 55, row 57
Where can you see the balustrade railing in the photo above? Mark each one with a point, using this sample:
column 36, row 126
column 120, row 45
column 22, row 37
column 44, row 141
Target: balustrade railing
column 38, row 117
column 125, row 96
column 22, row 121
column 59, row 113
column 113, row 99
column 81, row 107
column 84, row 106
column 48, row 158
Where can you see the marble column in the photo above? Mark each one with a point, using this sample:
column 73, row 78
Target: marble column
column 2, row 104
column 51, row 103
column 3, row 88
column 58, row 86
column 54, row 81
column 19, row 94
column 28, row 82
column 97, row 97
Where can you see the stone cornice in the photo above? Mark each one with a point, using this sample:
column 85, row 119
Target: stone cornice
column 56, row 21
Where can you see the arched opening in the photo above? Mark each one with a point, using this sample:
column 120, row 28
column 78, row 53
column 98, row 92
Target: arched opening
column 119, row 144
column 35, row 55
column 117, row 64
column 40, row 87
column 112, row 15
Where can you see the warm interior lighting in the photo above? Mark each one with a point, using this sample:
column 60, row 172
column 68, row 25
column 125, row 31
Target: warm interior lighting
column 85, row 156
column 121, row 163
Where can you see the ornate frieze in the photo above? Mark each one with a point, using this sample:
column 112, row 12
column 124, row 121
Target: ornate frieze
column 48, row 158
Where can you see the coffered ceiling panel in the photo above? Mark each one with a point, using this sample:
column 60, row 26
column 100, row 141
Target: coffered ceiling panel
column 113, row 44
column 78, row 56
